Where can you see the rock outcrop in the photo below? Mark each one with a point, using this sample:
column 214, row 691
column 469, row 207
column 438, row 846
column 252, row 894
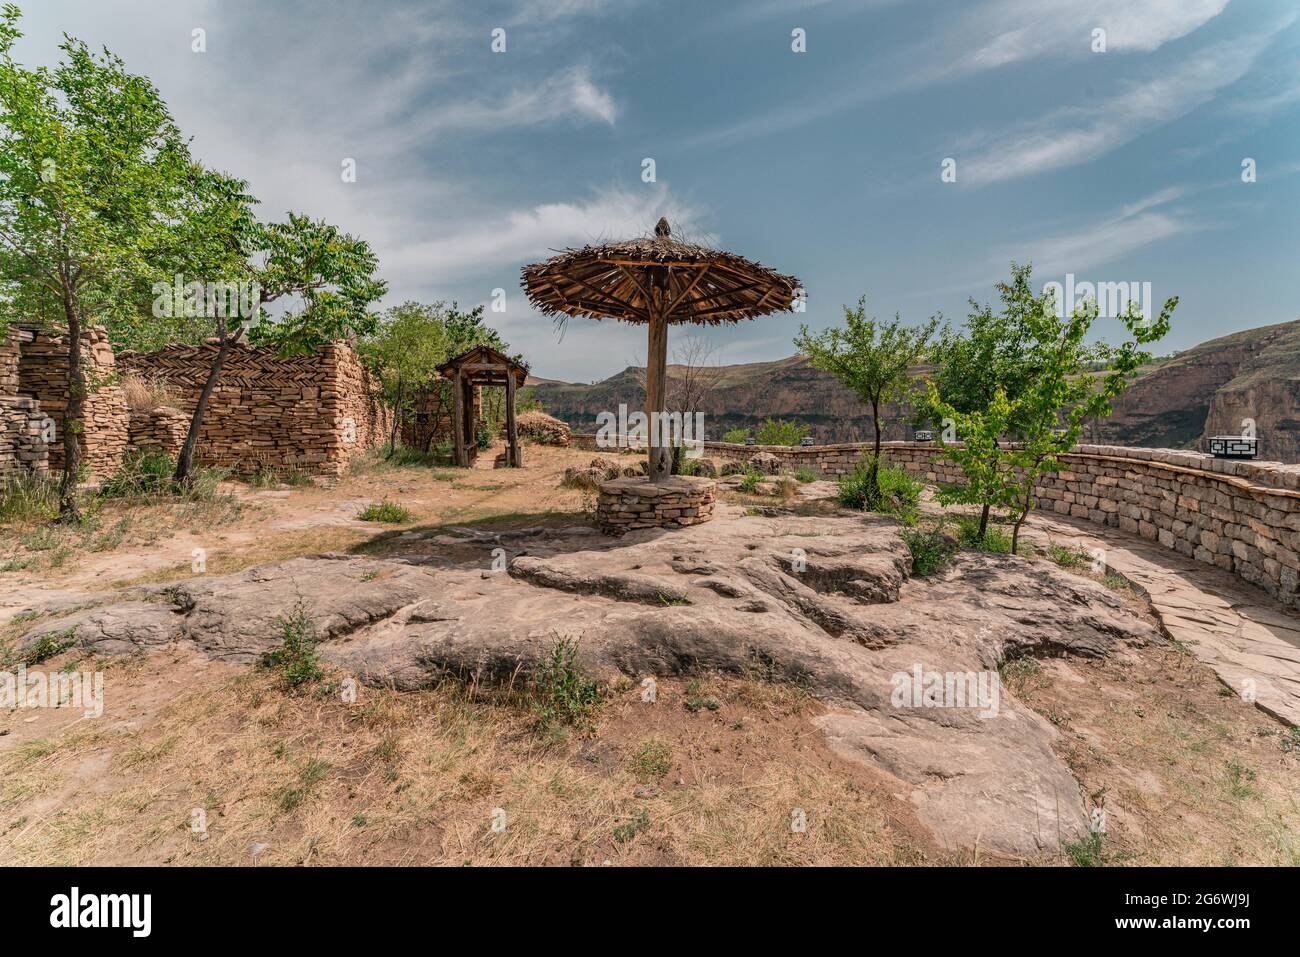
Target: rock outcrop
column 827, row 602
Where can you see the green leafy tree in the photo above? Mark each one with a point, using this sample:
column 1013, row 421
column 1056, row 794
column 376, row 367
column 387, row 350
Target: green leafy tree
column 409, row 343
column 93, row 171
column 780, row 432
column 992, row 352
column 1048, row 414
column 325, row 278
column 872, row 358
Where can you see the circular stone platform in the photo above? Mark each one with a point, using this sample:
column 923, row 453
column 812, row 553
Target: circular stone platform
column 629, row 503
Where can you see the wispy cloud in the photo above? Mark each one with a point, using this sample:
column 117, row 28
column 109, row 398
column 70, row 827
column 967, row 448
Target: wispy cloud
column 1006, row 31
column 1074, row 135
column 984, row 37
column 1129, row 229
column 512, row 237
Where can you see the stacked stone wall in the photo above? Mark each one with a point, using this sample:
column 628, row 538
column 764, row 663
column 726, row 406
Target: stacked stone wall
column 43, row 376
column 308, row 413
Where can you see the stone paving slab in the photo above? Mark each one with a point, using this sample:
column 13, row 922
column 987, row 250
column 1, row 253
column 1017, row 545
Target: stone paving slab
column 1250, row 640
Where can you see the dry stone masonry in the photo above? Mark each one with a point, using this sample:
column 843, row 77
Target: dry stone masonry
column 630, row 503
column 43, row 376
column 305, row 413
column 308, row 413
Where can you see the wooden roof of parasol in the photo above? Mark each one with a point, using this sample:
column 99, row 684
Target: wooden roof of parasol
column 630, row 280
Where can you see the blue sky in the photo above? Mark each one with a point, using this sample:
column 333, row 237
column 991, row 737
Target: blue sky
column 1122, row 165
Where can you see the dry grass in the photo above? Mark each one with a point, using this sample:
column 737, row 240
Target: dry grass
column 1187, row 774
column 418, row 777
column 145, row 395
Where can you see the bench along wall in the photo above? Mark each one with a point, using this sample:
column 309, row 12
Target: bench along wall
column 1241, row 516
column 311, row 413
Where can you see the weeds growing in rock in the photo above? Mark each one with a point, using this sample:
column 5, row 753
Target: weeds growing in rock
column 296, row 658
column 805, row 475
column 931, row 550
column 750, row 482
column 385, row 511
column 562, row 693
column 1069, row 556
column 47, row 646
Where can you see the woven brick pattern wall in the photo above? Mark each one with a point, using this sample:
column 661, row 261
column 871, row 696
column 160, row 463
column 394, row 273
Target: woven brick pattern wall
column 311, row 413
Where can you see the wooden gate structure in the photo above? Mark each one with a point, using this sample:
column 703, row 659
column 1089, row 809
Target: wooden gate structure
column 482, row 365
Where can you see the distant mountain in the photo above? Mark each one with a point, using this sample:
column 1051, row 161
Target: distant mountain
column 1173, row 403
column 1211, row 389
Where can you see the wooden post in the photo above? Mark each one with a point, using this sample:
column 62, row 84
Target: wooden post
column 471, row 432
column 515, row 457
column 656, row 390
column 458, row 419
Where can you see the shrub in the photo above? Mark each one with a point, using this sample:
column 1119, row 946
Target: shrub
column 385, row 511
column 806, row 475
column 750, row 482
column 562, row 693
column 931, row 550
column 144, row 472
column 296, row 658
column 995, row 539
column 780, row 432
column 735, row 436
column 893, row 493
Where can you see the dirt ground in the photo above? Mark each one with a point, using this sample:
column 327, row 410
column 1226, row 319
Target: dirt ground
column 207, row 763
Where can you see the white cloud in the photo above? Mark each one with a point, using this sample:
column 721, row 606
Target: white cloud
column 1074, row 135
column 997, row 33
column 514, row 237
column 569, row 95
column 1132, row 227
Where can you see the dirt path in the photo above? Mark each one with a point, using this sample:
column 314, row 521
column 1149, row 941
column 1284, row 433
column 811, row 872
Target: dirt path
column 303, row 520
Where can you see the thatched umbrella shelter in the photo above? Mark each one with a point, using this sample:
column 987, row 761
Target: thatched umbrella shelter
column 659, row 281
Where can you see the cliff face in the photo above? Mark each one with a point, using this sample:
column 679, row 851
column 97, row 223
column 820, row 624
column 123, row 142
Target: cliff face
column 745, row 396
column 1213, row 389
column 1173, row 403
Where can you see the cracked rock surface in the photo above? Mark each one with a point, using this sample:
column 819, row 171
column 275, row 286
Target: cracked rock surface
column 825, row 601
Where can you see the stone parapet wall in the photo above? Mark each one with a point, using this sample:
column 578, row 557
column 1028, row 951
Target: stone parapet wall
column 1241, row 516
column 309, row 413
